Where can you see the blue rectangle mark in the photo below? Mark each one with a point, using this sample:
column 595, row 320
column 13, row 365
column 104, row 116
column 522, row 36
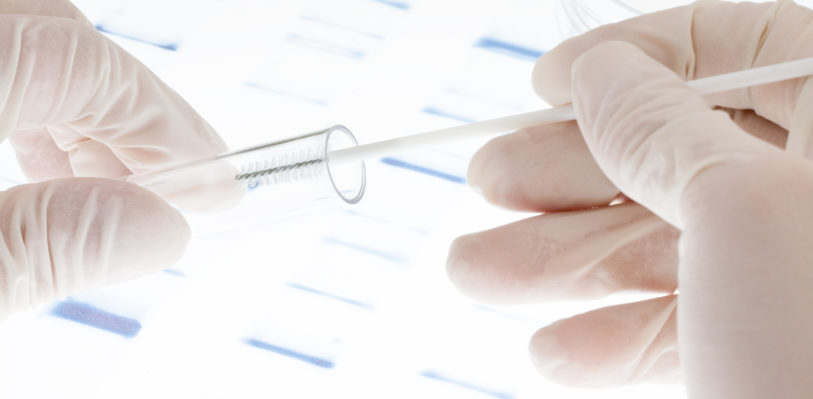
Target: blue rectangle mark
column 258, row 86
column 422, row 169
column 322, row 46
column 381, row 254
column 443, row 114
column 508, row 48
column 90, row 316
column 339, row 26
column 485, row 308
column 316, row 361
column 329, row 295
column 164, row 45
column 402, row 5
column 463, row 384
column 417, row 230
column 174, row 272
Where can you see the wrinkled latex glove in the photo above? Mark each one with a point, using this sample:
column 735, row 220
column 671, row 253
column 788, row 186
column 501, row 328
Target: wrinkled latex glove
column 723, row 215
column 77, row 109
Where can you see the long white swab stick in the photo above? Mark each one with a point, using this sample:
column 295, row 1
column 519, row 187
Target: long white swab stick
column 709, row 85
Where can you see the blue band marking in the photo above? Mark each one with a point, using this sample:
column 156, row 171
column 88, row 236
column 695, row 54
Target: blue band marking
column 338, row 26
column 329, row 295
column 422, row 169
column 323, row 46
column 443, row 114
column 417, row 230
column 174, row 272
column 316, row 361
column 258, row 86
column 166, row 46
column 93, row 317
column 508, row 48
column 401, row 5
column 463, row 384
column 381, row 254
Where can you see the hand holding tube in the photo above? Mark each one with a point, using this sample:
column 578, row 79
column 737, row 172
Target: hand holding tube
column 78, row 109
column 739, row 206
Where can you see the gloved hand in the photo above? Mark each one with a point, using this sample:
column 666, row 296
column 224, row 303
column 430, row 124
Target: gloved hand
column 78, row 109
column 731, row 219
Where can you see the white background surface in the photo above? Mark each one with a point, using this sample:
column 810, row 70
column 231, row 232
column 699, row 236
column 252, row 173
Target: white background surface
column 353, row 302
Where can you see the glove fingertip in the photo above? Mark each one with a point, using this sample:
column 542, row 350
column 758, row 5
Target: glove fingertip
column 550, row 79
column 155, row 236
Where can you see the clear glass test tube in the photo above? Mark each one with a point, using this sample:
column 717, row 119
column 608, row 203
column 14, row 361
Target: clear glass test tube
column 264, row 182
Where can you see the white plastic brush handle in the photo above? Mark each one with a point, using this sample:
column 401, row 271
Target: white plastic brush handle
column 709, row 85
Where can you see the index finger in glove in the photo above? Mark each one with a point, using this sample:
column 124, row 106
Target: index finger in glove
column 96, row 100
column 704, row 39
column 549, row 168
column 540, row 168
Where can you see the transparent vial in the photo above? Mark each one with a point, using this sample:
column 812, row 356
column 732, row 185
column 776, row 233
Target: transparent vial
column 263, row 182
column 574, row 17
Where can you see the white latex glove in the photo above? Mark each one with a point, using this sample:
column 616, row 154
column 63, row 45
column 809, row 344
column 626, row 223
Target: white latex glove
column 737, row 210
column 76, row 105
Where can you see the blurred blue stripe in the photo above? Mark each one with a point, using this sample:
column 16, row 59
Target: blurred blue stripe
column 339, row 26
column 417, row 230
column 329, row 295
column 316, row 361
column 97, row 318
column 258, row 86
column 463, row 384
column 381, row 254
column 392, row 3
column 443, row 114
column 164, row 45
column 508, row 48
column 422, row 169
column 324, row 46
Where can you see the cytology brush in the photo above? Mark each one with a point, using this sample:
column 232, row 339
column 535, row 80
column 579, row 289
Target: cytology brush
column 328, row 165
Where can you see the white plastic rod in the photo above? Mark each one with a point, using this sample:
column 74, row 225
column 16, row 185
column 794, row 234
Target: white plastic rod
column 753, row 77
column 709, row 85
column 451, row 134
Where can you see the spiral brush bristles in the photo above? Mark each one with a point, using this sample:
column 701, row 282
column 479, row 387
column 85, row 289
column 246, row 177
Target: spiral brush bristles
column 282, row 169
